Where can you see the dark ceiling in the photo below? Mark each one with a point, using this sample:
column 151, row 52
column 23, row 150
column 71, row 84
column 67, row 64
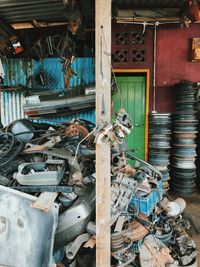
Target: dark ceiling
column 14, row 11
column 150, row 3
column 26, row 10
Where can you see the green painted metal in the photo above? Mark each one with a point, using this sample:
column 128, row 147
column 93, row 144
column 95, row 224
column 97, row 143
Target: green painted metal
column 133, row 101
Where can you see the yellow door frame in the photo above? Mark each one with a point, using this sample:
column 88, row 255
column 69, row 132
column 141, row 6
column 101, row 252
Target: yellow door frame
column 147, row 73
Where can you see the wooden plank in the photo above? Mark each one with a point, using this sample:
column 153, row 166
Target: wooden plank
column 103, row 114
column 20, row 26
column 45, row 201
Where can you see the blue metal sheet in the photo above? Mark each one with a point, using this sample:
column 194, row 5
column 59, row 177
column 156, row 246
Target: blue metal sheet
column 20, row 71
column 90, row 116
column 17, row 71
column 26, row 72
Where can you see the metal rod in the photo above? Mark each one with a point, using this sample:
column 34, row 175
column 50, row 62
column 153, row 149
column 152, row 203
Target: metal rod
column 154, row 65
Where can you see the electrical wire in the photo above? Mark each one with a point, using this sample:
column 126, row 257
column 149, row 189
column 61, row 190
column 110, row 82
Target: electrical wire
column 114, row 76
column 77, row 148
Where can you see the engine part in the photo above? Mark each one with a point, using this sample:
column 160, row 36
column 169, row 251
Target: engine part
column 153, row 253
column 136, row 231
column 72, row 248
column 164, row 233
column 73, row 221
column 194, row 263
column 76, row 130
column 122, row 125
column 176, row 207
column 76, row 177
column 42, row 173
column 120, row 164
column 154, row 170
column 121, row 194
column 121, row 249
column 20, row 232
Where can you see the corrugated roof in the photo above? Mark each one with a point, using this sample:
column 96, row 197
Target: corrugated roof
column 26, row 10
column 13, row 11
column 150, row 3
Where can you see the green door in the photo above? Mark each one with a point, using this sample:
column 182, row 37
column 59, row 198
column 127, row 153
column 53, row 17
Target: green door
column 133, row 101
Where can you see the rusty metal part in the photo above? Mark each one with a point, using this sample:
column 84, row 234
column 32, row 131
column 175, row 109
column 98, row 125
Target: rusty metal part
column 76, row 130
column 34, row 148
column 121, row 249
column 119, row 242
column 126, row 169
column 136, row 230
column 153, row 253
column 120, row 164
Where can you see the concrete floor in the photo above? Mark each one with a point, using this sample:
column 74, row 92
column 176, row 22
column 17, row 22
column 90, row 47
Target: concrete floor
column 193, row 207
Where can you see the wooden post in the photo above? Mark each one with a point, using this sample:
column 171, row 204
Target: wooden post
column 103, row 114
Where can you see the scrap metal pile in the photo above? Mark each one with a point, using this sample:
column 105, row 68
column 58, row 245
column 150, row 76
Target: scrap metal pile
column 47, row 200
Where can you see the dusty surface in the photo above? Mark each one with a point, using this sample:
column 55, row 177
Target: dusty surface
column 193, row 207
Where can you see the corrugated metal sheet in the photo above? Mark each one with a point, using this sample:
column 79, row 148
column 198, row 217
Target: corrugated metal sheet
column 20, row 71
column 150, row 3
column 90, row 116
column 11, row 107
column 27, row 10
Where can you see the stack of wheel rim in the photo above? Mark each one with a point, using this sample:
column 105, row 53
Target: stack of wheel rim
column 198, row 140
column 183, row 172
column 160, row 125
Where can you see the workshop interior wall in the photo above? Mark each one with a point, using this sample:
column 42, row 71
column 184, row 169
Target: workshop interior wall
column 26, row 72
column 173, row 57
column 174, row 62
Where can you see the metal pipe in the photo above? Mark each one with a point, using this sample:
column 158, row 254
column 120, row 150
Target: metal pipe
column 154, row 65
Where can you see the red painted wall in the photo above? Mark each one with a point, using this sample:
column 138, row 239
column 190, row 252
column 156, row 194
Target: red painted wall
column 174, row 62
column 173, row 59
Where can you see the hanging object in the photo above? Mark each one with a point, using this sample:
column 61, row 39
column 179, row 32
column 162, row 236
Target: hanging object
column 194, row 9
column 196, row 49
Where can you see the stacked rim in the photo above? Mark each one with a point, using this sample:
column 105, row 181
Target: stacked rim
column 183, row 171
column 160, row 125
column 198, row 140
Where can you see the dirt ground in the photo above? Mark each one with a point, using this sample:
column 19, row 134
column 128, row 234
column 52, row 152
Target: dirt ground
column 193, row 207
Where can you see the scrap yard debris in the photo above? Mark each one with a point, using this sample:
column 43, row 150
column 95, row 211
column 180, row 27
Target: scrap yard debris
column 47, row 199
